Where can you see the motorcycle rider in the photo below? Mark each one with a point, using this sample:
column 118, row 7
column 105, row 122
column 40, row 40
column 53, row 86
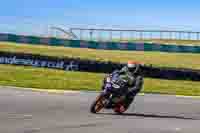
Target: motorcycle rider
column 133, row 74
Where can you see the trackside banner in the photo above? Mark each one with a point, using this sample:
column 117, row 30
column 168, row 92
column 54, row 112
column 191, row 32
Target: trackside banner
column 67, row 64
column 28, row 61
column 77, row 64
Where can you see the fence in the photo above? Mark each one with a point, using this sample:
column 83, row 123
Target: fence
column 129, row 35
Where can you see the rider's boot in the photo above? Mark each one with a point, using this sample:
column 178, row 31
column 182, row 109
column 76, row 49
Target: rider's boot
column 129, row 100
column 110, row 103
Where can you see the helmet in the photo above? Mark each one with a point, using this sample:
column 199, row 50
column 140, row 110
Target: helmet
column 133, row 66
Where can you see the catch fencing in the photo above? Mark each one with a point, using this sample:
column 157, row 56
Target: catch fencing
column 132, row 35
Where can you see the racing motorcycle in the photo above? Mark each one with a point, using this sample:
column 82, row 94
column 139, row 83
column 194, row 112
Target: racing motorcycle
column 113, row 94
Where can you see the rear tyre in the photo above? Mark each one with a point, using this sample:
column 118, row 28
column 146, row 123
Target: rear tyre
column 119, row 109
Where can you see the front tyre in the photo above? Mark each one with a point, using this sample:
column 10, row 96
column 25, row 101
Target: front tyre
column 98, row 104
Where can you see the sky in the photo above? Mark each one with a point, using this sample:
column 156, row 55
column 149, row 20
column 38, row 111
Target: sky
column 37, row 15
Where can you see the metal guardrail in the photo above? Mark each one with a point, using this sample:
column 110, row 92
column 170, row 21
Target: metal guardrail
column 128, row 35
column 120, row 35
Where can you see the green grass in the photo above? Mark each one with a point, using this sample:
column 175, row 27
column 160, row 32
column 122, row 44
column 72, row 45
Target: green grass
column 56, row 79
column 30, row 77
column 184, row 60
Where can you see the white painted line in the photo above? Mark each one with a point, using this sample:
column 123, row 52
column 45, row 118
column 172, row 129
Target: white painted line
column 141, row 94
column 72, row 92
column 181, row 96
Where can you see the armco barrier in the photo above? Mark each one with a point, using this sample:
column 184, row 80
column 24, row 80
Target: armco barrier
column 77, row 64
column 99, row 45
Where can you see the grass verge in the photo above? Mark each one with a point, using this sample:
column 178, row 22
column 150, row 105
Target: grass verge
column 183, row 60
column 41, row 78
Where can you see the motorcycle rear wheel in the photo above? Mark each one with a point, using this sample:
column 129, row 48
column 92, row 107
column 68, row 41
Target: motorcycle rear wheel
column 117, row 109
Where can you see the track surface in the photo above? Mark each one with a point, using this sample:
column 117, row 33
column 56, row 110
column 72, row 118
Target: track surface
column 39, row 112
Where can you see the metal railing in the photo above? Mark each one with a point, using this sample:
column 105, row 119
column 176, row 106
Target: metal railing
column 67, row 34
column 128, row 35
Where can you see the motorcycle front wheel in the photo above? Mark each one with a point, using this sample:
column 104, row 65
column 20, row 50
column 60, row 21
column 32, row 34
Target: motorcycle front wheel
column 98, row 104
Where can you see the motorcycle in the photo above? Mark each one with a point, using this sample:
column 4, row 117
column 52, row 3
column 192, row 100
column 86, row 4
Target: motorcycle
column 113, row 95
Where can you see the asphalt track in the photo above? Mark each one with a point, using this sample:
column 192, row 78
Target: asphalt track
column 23, row 111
